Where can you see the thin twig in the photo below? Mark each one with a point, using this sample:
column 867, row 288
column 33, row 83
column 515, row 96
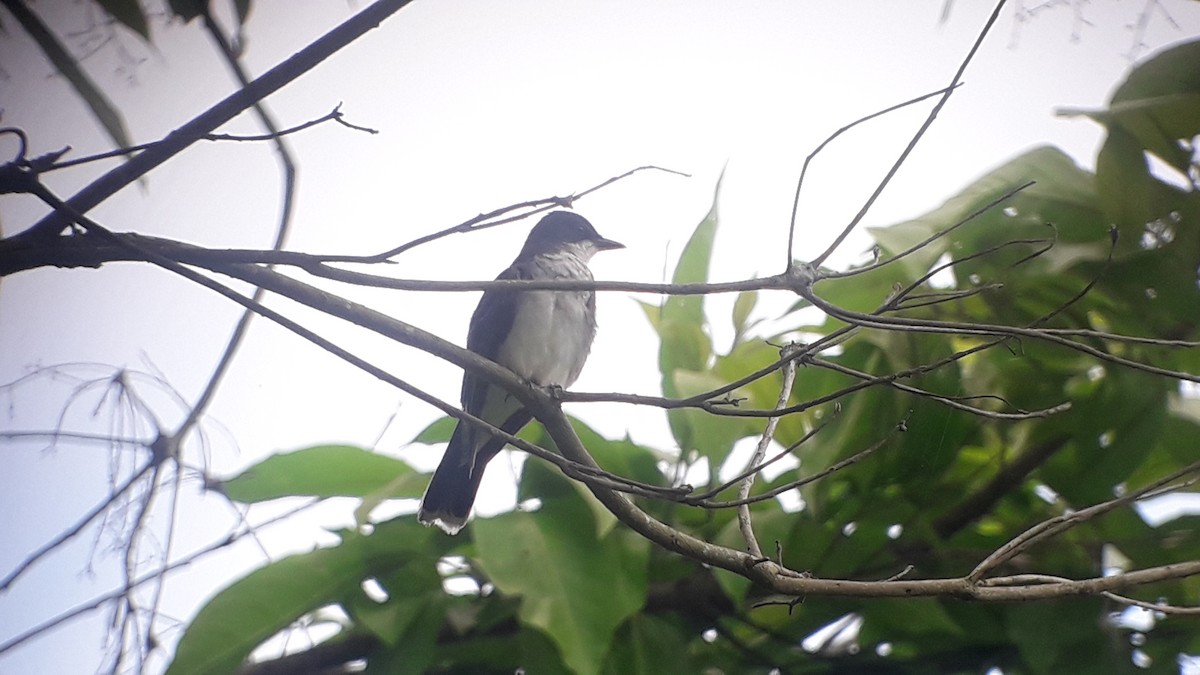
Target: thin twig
column 1066, row 521
column 780, row 489
column 258, row 276
column 492, row 218
column 760, row 451
column 288, row 167
column 700, row 497
column 101, row 600
column 334, row 115
column 963, row 328
column 937, row 108
column 827, row 274
column 60, row 435
column 808, row 160
column 1044, row 246
column 301, row 62
column 1034, row 579
column 949, row 401
column 71, row 532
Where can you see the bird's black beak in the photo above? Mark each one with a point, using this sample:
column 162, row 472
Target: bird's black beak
column 606, row 244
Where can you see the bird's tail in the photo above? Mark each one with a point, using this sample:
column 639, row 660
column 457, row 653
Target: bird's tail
column 451, row 493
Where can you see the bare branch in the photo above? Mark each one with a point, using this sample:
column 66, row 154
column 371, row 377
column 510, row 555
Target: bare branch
column 937, row 108
column 960, row 328
column 71, row 532
column 288, row 168
column 829, row 139
column 703, row 498
column 949, row 401
column 335, row 115
column 102, row 600
column 903, row 294
column 801, row 482
column 930, row 239
column 770, row 574
column 177, row 141
column 525, row 209
column 1054, row 526
column 760, row 451
column 777, row 578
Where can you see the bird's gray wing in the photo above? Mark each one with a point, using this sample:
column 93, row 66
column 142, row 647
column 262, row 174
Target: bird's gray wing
column 490, row 325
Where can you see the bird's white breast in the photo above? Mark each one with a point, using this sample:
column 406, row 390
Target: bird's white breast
column 552, row 331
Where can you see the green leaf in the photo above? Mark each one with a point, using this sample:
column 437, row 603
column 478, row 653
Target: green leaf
column 573, row 586
column 1059, row 186
column 1061, row 637
column 916, row 617
column 620, row 457
column 1111, row 429
column 1123, row 176
column 240, row 617
column 1171, row 71
column 1156, row 110
column 693, row 268
column 243, row 615
column 129, row 14
column 438, row 431
column 1161, row 122
column 527, row 650
column 741, row 313
column 409, row 620
column 713, row 436
column 323, row 471
column 1062, row 207
column 416, row 648
column 1158, row 123
column 685, row 346
column 389, row 620
column 680, row 323
column 771, row 527
column 749, row 357
column 649, row 644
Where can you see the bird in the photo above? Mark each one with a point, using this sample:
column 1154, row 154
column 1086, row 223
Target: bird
column 542, row 336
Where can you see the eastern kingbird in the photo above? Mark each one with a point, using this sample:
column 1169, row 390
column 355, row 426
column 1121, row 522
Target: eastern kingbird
column 542, row 336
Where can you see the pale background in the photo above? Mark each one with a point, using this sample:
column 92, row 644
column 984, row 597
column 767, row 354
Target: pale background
column 479, row 105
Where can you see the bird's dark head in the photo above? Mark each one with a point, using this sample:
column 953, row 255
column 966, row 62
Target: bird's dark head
column 564, row 230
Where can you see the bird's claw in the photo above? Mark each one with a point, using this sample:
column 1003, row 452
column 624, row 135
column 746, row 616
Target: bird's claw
column 554, row 391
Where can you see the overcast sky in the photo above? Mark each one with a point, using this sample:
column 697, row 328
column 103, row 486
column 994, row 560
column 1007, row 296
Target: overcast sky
column 479, row 105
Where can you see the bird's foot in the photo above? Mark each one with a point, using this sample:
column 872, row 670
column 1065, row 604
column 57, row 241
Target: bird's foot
column 554, row 391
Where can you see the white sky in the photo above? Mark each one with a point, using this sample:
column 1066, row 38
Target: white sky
column 479, row 105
